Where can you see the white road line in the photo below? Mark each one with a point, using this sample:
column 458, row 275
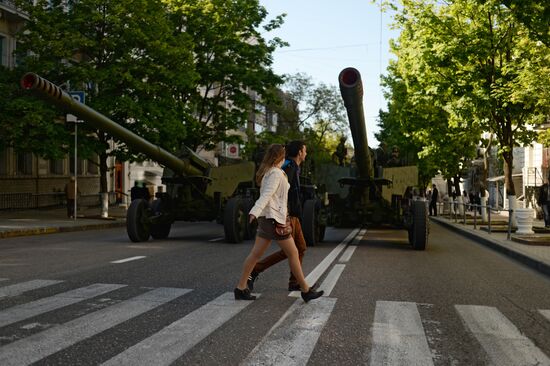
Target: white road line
column 216, row 239
column 347, row 254
column 19, row 288
column 166, row 346
column 3, row 279
column 129, row 259
column 359, row 236
column 292, row 339
column 33, row 348
column 350, row 236
column 545, row 313
column 398, row 335
column 325, row 263
column 331, row 279
column 503, row 342
column 28, row 310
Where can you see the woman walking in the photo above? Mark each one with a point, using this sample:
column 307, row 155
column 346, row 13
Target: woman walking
column 271, row 210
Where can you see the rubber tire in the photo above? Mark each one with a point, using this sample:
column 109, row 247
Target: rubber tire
column 420, row 225
column 159, row 231
column 234, row 224
column 250, row 227
column 137, row 232
column 310, row 226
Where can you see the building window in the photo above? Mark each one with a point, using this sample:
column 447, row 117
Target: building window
column 24, row 163
column 3, row 51
column 4, row 161
column 78, row 167
column 93, row 167
column 56, row 167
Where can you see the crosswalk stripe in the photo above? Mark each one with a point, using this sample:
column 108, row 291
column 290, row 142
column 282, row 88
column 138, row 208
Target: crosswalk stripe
column 398, row 335
column 503, row 342
column 19, row 288
column 331, row 279
column 292, row 339
column 322, row 267
column 546, row 313
column 28, row 310
column 43, row 344
column 172, row 342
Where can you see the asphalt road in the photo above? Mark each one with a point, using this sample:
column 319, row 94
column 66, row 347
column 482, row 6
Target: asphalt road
column 457, row 303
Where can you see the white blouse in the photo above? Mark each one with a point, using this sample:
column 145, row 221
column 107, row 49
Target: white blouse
column 273, row 196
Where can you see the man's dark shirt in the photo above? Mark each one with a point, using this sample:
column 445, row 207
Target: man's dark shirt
column 292, row 170
column 435, row 193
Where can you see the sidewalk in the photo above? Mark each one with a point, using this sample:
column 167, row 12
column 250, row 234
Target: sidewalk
column 532, row 250
column 54, row 220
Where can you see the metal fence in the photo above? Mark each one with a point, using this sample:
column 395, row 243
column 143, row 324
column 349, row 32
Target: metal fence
column 18, row 201
column 452, row 211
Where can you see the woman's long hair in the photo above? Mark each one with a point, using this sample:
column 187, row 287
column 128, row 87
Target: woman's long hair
column 274, row 154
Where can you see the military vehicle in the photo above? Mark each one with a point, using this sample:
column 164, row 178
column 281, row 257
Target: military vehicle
column 375, row 195
column 196, row 191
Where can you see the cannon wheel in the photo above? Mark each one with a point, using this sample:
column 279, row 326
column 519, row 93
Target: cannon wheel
column 313, row 231
column 159, row 231
column 418, row 234
column 136, row 229
column 250, row 227
column 234, row 220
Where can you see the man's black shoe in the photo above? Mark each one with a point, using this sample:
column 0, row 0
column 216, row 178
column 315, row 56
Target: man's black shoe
column 243, row 294
column 251, row 279
column 311, row 295
column 296, row 287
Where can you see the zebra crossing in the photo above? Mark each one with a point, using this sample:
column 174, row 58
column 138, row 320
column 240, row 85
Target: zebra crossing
column 397, row 333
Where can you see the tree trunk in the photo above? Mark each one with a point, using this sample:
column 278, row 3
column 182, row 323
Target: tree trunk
column 103, row 171
column 508, row 157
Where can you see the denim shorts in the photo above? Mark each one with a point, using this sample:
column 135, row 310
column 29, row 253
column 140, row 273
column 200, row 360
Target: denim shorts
column 266, row 229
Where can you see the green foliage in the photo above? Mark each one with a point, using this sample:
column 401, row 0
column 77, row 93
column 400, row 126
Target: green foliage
column 464, row 67
column 174, row 72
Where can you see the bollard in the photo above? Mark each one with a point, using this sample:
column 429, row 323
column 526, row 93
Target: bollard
column 510, row 213
column 475, row 217
column 489, row 218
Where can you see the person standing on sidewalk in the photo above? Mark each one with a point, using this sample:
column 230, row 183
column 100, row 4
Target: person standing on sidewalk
column 296, row 154
column 70, row 194
column 271, row 212
column 433, row 201
column 544, row 201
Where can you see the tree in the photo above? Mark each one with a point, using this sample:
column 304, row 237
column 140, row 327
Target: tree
column 470, row 57
column 173, row 72
column 232, row 61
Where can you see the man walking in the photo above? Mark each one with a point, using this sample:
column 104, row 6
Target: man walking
column 433, row 201
column 296, row 154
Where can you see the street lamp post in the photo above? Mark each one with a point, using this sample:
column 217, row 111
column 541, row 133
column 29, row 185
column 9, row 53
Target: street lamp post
column 79, row 96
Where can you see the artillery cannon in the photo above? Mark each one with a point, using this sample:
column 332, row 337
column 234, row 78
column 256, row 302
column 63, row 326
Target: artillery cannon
column 375, row 196
column 196, row 191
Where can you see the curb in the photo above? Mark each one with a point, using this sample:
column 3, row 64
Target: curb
column 494, row 244
column 59, row 229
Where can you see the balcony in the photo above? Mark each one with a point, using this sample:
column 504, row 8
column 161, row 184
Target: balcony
column 9, row 12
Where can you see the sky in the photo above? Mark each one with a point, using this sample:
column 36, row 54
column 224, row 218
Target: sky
column 327, row 36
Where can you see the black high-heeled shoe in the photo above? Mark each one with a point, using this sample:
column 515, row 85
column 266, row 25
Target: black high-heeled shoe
column 243, row 294
column 311, row 294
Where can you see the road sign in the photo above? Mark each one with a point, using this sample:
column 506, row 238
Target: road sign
column 79, row 96
column 232, row 150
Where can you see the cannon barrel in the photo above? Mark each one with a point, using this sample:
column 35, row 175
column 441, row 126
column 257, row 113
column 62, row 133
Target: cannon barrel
column 193, row 165
column 351, row 89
